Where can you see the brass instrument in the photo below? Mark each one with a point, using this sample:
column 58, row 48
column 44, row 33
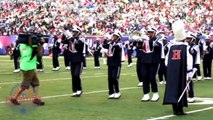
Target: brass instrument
column 10, row 52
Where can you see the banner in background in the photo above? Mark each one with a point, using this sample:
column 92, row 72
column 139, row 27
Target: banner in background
column 6, row 41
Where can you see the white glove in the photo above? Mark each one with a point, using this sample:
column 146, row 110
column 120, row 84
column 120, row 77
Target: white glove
column 65, row 46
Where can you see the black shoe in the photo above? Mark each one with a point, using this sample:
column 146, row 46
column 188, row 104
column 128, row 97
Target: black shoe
column 38, row 102
column 14, row 101
column 175, row 112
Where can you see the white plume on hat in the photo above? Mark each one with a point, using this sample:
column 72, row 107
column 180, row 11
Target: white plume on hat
column 179, row 30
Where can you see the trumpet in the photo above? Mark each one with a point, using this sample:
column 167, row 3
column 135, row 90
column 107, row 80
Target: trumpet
column 10, row 52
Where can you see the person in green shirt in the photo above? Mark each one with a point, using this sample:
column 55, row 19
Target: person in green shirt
column 28, row 62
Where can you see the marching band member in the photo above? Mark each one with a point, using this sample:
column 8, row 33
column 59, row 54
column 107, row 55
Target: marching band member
column 40, row 66
column 66, row 56
column 103, row 50
column 179, row 70
column 76, row 45
column 207, row 59
column 162, row 72
column 66, row 36
column 190, row 39
column 114, row 56
column 129, row 47
column 197, row 56
column 85, row 50
column 16, row 55
column 56, row 52
column 138, row 45
column 96, row 48
column 150, row 59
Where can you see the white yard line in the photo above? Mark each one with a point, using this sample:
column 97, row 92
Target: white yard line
column 6, row 60
column 189, row 112
column 85, row 93
column 3, row 71
column 60, row 79
column 49, row 70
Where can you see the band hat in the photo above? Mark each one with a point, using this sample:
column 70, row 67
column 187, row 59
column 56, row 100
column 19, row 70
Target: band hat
column 179, row 30
column 151, row 29
column 163, row 37
column 208, row 37
column 76, row 28
column 160, row 32
column 191, row 35
column 117, row 33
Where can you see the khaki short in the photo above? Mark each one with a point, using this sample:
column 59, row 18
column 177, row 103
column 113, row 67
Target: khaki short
column 29, row 79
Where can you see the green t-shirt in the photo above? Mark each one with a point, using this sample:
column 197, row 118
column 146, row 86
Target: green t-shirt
column 25, row 62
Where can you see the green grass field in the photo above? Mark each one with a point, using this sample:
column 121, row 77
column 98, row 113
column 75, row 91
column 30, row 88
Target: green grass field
column 55, row 90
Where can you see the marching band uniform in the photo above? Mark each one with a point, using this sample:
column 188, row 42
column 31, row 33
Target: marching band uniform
column 40, row 66
column 16, row 55
column 138, row 45
column 76, row 45
column 114, row 65
column 179, row 70
column 162, row 72
column 190, row 39
column 207, row 59
column 85, row 50
column 129, row 47
column 150, row 59
column 197, row 56
column 66, row 57
column 104, row 51
column 96, row 53
column 56, row 52
column 66, row 36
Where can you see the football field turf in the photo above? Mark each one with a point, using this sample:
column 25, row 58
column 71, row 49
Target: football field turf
column 55, row 89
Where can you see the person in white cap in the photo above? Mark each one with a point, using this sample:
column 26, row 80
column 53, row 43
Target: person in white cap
column 114, row 55
column 179, row 70
column 76, row 46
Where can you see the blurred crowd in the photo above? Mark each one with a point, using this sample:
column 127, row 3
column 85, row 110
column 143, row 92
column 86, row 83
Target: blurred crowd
column 101, row 17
